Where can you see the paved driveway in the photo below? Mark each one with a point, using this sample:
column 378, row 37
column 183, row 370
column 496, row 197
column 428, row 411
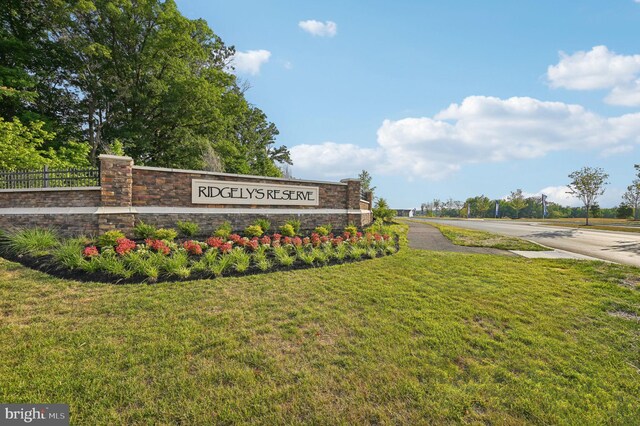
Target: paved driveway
column 620, row 247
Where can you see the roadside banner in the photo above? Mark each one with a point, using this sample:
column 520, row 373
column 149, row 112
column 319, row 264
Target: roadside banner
column 544, row 206
column 497, row 208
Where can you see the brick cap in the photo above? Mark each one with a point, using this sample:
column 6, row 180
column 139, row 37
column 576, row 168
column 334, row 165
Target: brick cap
column 115, row 157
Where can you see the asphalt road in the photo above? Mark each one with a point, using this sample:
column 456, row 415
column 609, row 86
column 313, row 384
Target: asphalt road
column 620, row 247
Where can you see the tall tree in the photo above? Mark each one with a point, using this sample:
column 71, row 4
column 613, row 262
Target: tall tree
column 588, row 184
column 517, row 201
column 365, row 181
column 137, row 71
column 632, row 196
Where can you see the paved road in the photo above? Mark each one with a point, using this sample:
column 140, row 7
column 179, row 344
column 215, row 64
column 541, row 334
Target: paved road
column 620, row 247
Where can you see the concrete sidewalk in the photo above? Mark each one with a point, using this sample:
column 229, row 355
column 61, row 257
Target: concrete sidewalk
column 426, row 237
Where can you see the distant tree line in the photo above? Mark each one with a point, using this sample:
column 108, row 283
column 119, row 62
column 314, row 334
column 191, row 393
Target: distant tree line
column 587, row 184
column 80, row 77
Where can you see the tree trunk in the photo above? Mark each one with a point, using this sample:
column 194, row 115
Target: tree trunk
column 588, row 215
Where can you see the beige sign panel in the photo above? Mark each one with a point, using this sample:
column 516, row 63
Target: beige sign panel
column 243, row 193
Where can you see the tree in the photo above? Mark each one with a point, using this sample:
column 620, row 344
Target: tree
column 365, row 181
column 140, row 72
column 382, row 211
column 24, row 147
column 588, row 184
column 437, row 206
column 624, row 211
column 517, row 201
column 632, row 197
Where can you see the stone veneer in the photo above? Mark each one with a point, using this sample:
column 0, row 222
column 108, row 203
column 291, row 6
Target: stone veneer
column 161, row 197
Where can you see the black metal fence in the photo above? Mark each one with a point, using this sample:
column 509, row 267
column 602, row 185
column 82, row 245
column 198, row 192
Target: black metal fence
column 49, row 178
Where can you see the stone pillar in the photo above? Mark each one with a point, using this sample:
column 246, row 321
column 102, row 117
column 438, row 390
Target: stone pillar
column 353, row 201
column 116, row 182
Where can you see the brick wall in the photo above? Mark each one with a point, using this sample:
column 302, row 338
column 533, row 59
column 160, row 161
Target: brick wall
column 161, row 197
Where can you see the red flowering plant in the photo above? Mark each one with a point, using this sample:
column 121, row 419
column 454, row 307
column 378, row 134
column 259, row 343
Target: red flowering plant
column 315, row 239
column 226, row 248
column 90, row 251
column 297, row 241
column 265, row 241
column 235, row 238
column 124, row 246
column 192, row 247
column 306, row 241
column 287, row 240
column 277, row 236
column 336, row 241
column 214, row 242
column 252, row 245
column 158, row 246
column 346, row 235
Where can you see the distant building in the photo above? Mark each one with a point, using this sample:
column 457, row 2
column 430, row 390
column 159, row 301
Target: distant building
column 405, row 212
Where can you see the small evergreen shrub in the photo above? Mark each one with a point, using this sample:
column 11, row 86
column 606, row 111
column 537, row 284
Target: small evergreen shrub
column 351, row 229
column 287, row 230
column 295, row 223
column 187, row 228
column 167, row 234
column 144, row 231
column 253, row 231
column 264, row 224
column 110, row 238
column 223, row 231
column 321, row 230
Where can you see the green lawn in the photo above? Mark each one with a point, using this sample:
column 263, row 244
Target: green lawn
column 418, row 337
column 473, row 238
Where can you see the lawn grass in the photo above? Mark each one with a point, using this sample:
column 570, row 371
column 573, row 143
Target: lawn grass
column 416, row 338
column 473, row 238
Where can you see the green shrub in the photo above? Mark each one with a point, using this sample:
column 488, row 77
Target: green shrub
column 307, row 258
column 321, row 256
column 321, row 230
column 283, row 257
column 263, row 264
column 32, row 241
column 341, row 252
column 382, row 211
column 144, row 231
column 240, row 259
column 187, row 228
column 357, row 253
column 253, row 231
column 167, row 234
column 351, row 229
column 69, row 253
column 220, row 265
column 264, row 224
column 223, row 231
column 295, row 223
column 176, row 264
column 109, row 238
column 287, row 230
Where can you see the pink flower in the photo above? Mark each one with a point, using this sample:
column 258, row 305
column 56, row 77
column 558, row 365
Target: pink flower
column 192, row 247
column 124, row 246
column 214, row 242
column 90, row 251
column 158, row 246
column 226, row 248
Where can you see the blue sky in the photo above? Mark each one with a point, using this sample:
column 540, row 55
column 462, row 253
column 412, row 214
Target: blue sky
column 440, row 99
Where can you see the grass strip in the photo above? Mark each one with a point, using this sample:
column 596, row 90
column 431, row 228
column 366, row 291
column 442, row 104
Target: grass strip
column 473, row 238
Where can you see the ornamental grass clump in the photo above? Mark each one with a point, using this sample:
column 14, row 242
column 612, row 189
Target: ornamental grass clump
column 264, row 224
column 109, row 238
column 33, row 241
column 287, row 230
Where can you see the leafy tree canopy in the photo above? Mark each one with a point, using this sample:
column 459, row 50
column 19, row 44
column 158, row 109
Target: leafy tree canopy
column 134, row 71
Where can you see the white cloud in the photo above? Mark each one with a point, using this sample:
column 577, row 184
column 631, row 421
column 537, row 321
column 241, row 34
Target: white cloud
column 556, row 194
column 249, row 62
column 599, row 68
column 318, row 28
column 479, row 130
